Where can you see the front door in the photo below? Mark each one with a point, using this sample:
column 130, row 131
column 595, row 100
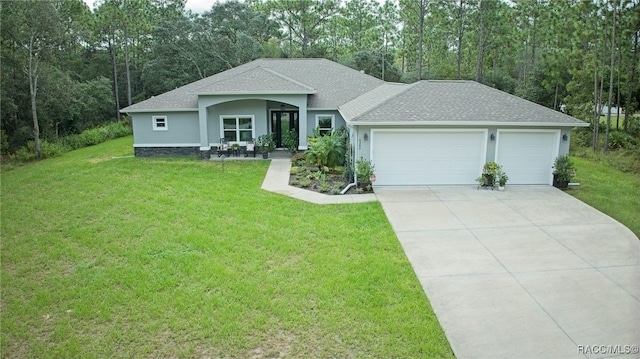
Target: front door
column 282, row 121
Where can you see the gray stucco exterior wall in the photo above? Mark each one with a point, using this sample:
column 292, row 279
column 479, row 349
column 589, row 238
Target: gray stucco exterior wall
column 182, row 129
column 251, row 108
column 311, row 119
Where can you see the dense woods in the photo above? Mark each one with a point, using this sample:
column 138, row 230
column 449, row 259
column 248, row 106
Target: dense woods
column 67, row 68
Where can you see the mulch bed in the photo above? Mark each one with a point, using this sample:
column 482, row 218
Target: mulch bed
column 333, row 182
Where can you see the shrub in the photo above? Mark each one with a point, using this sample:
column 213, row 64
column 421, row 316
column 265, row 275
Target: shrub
column 97, row 135
column 266, row 143
column 325, row 187
column 633, row 126
column 582, row 137
column 563, row 169
column 305, row 182
column 48, row 149
column 298, row 159
column 4, row 142
column 364, row 169
column 25, row 153
column 326, row 151
column 303, row 172
column 618, row 140
column 52, row 149
column 72, row 142
column 290, row 140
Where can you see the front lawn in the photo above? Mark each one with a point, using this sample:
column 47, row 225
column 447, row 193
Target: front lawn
column 609, row 190
column 130, row 257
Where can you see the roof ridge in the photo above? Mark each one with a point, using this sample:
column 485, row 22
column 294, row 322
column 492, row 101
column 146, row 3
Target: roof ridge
column 257, row 66
column 287, row 78
column 249, row 68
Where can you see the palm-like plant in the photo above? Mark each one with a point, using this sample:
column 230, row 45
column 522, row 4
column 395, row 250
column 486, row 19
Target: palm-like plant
column 326, row 151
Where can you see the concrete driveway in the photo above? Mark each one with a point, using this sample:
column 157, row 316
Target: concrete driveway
column 530, row 272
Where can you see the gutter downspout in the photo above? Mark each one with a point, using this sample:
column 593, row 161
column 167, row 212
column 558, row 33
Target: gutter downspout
column 355, row 177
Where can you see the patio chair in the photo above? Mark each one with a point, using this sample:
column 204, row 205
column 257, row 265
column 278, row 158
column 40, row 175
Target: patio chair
column 250, row 147
column 223, row 148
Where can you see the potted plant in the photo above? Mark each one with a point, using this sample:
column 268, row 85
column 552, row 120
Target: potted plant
column 489, row 175
column 290, row 140
column 235, row 148
column 266, row 144
column 364, row 170
column 563, row 171
column 502, row 180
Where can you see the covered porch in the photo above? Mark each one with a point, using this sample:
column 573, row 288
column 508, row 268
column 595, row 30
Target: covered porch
column 237, row 119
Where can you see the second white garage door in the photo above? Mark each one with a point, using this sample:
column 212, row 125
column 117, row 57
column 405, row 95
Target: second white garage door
column 428, row 157
column 527, row 155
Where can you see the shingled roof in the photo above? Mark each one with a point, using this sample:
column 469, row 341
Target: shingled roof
column 372, row 99
column 334, row 84
column 363, row 99
column 256, row 80
column 464, row 102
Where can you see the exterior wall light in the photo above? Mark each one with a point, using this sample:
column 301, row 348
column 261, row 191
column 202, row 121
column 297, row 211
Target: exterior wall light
column 565, row 137
column 492, row 137
column 366, row 136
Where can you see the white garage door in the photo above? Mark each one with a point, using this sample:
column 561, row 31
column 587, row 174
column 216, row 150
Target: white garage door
column 527, row 156
column 428, row 157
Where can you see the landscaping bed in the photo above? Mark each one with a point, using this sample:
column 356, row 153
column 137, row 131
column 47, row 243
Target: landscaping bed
column 330, row 181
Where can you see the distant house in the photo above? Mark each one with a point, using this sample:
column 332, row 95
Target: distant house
column 614, row 110
column 425, row 133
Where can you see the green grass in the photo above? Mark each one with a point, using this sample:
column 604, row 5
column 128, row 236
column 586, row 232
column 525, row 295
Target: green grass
column 609, row 190
column 624, row 160
column 614, row 121
column 133, row 257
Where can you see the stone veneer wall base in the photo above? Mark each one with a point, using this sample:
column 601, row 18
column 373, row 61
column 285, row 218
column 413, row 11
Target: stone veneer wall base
column 169, row 152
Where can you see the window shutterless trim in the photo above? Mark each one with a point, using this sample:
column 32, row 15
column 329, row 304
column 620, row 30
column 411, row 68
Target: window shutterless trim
column 237, row 129
column 160, row 123
column 325, row 129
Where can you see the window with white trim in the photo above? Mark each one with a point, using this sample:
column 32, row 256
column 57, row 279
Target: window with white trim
column 237, row 128
column 325, row 124
column 159, row 123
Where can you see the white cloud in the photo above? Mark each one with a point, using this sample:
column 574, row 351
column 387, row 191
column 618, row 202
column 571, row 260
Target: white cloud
column 199, row 6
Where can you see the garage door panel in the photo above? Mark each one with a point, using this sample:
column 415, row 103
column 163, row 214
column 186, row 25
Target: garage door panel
column 428, row 157
column 527, row 156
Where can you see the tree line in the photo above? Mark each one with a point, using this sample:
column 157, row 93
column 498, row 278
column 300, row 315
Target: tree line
column 67, row 68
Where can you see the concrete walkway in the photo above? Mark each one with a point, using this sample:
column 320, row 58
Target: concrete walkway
column 277, row 180
column 530, row 272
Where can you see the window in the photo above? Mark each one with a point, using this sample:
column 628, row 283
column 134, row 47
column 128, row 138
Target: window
column 325, row 124
column 237, row 128
column 159, row 123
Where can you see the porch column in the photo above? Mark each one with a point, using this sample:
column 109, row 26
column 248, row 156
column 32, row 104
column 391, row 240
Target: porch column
column 302, row 122
column 204, row 131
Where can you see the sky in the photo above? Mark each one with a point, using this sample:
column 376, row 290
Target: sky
column 197, row 6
